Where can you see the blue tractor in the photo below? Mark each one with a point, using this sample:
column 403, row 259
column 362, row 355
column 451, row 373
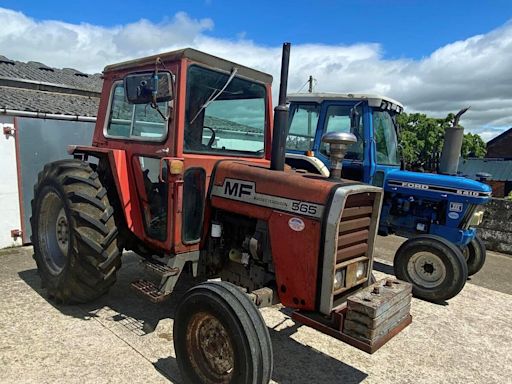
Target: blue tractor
column 437, row 213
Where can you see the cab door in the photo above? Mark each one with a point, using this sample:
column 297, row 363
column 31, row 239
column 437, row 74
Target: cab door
column 144, row 133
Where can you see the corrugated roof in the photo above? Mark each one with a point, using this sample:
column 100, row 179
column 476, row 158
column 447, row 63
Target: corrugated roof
column 499, row 169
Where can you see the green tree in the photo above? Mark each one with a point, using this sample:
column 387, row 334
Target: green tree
column 473, row 146
column 422, row 137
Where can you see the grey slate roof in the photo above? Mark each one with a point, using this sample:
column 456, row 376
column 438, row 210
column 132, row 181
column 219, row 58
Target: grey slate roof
column 47, row 102
column 36, row 87
column 500, row 170
column 32, row 71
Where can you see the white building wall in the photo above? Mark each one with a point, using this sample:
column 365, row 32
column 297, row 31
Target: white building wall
column 9, row 200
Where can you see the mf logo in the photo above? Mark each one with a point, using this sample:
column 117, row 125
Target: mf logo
column 238, row 188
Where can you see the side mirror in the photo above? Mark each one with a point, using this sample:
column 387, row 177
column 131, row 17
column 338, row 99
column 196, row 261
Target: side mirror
column 145, row 88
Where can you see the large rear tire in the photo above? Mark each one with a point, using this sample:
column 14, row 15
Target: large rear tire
column 476, row 254
column 435, row 267
column 220, row 337
column 74, row 233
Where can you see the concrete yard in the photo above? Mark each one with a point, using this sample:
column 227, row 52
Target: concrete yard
column 124, row 338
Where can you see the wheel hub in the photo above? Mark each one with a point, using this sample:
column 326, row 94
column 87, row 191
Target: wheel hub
column 210, row 348
column 62, row 231
column 426, row 269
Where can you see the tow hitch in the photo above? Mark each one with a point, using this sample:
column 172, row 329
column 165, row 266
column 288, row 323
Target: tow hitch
column 369, row 318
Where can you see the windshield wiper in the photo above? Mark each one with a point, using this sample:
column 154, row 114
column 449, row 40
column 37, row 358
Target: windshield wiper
column 215, row 94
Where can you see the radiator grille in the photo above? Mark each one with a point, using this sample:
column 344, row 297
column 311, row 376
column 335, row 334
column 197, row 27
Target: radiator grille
column 354, row 227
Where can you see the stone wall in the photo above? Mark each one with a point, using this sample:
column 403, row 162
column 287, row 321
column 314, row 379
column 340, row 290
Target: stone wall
column 496, row 229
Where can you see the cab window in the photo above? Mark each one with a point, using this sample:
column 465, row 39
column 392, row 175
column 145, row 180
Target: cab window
column 338, row 120
column 385, row 138
column 135, row 121
column 224, row 115
column 303, row 122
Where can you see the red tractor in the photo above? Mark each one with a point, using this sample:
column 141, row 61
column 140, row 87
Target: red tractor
column 186, row 171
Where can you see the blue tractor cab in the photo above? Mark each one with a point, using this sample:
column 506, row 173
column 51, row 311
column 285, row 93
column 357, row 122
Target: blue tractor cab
column 438, row 213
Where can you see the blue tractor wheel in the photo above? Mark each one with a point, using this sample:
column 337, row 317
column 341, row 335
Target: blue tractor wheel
column 435, row 267
column 475, row 254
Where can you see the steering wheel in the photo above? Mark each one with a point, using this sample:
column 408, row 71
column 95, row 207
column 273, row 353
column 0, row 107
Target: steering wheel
column 212, row 139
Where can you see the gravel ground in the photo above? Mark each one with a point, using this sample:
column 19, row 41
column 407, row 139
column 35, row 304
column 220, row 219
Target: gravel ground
column 124, row 338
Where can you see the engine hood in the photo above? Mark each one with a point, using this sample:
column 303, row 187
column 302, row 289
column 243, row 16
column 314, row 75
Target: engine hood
column 429, row 182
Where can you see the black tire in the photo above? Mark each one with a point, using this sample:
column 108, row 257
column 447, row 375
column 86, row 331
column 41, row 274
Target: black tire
column 74, row 233
column 435, row 267
column 476, row 254
column 241, row 340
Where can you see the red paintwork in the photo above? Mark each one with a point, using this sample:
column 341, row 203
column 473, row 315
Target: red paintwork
column 121, row 153
column 296, row 259
column 293, row 185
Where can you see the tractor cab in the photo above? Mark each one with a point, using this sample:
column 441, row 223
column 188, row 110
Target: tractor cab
column 370, row 118
column 205, row 109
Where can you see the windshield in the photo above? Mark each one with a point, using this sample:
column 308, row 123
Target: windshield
column 385, row 138
column 303, row 122
column 229, row 121
column 338, row 120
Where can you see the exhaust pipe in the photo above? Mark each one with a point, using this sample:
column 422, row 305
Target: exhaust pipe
column 279, row 133
column 453, row 136
column 338, row 144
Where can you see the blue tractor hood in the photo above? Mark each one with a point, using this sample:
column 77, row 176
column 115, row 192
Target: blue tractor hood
column 436, row 185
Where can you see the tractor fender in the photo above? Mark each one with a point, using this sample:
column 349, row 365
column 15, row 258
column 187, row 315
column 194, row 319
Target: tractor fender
column 125, row 190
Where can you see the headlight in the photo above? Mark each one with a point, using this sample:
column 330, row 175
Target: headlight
column 477, row 217
column 361, row 270
column 339, row 279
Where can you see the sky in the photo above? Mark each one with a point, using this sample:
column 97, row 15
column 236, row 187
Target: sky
column 434, row 56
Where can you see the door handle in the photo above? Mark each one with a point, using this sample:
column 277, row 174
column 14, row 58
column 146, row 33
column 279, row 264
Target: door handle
column 163, row 150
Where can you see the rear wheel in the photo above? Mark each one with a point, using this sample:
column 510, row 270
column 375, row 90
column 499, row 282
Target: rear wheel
column 73, row 232
column 220, row 337
column 475, row 254
column 435, row 267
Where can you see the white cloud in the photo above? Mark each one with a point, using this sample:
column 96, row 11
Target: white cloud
column 475, row 71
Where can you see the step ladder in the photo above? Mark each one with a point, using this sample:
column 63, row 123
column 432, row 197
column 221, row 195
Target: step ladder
column 168, row 273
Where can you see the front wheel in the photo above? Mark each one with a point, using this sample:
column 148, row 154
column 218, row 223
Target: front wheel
column 220, row 337
column 475, row 254
column 435, row 267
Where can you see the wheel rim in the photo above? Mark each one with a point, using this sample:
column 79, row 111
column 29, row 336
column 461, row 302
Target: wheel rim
column 210, row 349
column 426, row 269
column 53, row 232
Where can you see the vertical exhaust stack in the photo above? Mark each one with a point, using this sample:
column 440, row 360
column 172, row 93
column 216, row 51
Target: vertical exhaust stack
column 452, row 146
column 338, row 144
column 279, row 133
